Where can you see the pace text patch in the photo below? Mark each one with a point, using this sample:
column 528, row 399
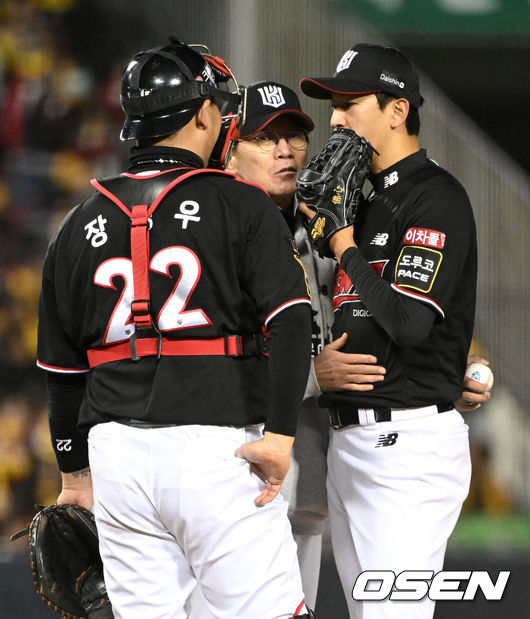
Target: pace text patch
column 417, row 267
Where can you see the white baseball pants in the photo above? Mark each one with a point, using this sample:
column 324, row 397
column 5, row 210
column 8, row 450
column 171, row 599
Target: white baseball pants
column 395, row 491
column 174, row 506
column 309, row 551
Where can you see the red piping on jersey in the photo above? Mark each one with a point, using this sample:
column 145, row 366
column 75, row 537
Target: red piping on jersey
column 146, row 176
column 284, row 306
column 169, row 187
column 55, row 368
column 419, row 297
column 230, row 346
column 94, row 182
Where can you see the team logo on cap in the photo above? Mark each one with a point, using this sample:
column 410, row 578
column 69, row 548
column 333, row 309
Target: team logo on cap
column 272, row 95
column 345, row 61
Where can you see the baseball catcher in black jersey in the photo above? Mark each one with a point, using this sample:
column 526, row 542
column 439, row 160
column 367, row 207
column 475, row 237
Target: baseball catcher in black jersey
column 163, row 291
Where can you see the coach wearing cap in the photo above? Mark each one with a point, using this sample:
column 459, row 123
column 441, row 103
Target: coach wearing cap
column 273, row 144
column 271, row 151
column 398, row 461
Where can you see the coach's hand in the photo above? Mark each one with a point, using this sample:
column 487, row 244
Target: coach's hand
column 269, row 459
column 340, row 371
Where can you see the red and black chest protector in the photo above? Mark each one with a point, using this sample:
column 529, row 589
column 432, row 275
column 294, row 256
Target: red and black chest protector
column 146, row 339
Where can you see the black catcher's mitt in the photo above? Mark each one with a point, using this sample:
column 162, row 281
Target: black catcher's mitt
column 331, row 185
column 65, row 561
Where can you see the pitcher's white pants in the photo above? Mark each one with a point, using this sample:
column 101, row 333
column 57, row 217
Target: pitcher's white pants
column 175, row 506
column 395, row 490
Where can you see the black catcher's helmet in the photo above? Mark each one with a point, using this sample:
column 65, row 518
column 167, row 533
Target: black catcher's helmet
column 162, row 88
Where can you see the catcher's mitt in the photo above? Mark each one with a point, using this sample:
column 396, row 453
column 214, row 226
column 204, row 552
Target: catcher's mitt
column 331, row 184
column 65, row 561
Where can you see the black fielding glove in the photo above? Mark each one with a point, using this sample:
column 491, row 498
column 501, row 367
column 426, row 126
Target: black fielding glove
column 65, row 561
column 331, row 185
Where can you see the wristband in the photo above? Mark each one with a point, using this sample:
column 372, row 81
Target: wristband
column 70, row 444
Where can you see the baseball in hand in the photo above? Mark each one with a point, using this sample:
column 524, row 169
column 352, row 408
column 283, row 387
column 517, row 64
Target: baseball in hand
column 481, row 373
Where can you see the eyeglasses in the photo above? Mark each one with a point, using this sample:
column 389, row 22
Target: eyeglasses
column 268, row 140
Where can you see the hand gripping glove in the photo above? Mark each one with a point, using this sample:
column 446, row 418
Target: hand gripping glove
column 65, row 561
column 331, row 185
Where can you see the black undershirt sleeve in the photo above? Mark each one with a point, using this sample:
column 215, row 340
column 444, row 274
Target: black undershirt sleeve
column 407, row 322
column 65, row 396
column 289, row 361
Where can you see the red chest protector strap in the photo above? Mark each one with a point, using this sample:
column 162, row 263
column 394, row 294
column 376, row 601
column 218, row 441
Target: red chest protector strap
column 141, row 304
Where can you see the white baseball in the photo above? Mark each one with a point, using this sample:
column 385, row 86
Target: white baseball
column 481, row 373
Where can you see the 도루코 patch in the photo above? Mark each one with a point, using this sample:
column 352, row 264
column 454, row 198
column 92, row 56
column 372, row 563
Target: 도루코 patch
column 417, row 267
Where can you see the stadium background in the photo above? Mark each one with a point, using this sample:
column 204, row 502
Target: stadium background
column 60, row 70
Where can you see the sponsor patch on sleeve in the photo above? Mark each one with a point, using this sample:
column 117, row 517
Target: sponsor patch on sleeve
column 417, row 268
column 425, row 237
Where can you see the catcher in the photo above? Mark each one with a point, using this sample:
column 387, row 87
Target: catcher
column 149, row 355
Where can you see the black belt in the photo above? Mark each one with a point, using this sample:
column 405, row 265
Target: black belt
column 139, row 423
column 344, row 415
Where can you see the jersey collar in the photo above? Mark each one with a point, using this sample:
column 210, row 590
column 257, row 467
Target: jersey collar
column 393, row 174
column 164, row 156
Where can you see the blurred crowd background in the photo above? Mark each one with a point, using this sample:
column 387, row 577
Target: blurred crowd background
column 59, row 125
column 60, row 72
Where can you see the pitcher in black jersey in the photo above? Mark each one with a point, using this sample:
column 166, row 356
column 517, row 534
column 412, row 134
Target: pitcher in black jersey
column 162, row 292
column 399, row 464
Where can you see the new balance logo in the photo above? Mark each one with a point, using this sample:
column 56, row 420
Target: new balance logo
column 380, row 239
column 272, row 95
column 386, row 440
column 391, row 179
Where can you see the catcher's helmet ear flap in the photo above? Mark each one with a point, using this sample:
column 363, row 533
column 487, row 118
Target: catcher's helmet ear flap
column 232, row 108
column 162, row 88
column 229, row 133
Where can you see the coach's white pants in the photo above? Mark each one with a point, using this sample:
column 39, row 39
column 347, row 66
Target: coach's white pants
column 395, row 491
column 175, row 506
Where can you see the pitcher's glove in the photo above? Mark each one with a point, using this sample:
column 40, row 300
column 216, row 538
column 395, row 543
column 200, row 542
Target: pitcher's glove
column 65, row 561
column 331, row 185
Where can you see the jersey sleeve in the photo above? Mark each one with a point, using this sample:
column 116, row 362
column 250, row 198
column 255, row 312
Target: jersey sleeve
column 56, row 351
column 436, row 244
column 289, row 359
column 273, row 272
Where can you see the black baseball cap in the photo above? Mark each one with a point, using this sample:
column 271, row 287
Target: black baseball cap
column 268, row 100
column 366, row 69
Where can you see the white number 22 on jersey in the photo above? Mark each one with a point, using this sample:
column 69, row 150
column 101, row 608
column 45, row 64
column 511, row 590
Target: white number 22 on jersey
column 173, row 314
